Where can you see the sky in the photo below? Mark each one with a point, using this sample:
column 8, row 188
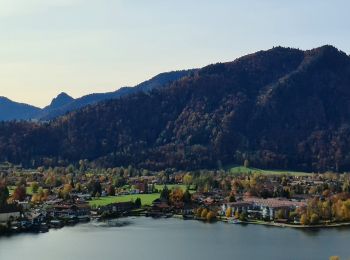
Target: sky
column 89, row 46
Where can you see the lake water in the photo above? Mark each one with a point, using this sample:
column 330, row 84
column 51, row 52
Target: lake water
column 170, row 239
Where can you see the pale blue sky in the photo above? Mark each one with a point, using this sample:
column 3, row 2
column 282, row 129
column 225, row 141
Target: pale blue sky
column 84, row 46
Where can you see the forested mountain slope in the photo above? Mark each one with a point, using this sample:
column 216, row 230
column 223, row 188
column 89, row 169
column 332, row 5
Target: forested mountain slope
column 282, row 108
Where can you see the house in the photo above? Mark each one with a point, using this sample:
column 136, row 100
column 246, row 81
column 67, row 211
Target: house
column 258, row 208
column 187, row 209
column 269, row 207
column 159, row 207
column 239, row 206
column 70, row 211
column 117, row 208
column 25, row 205
column 81, row 196
column 9, row 213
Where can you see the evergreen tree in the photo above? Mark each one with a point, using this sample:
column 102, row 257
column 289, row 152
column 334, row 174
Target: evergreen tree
column 165, row 194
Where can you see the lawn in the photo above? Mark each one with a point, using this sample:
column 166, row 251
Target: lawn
column 171, row 186
column 146, row 199
column 28, row 190
column 242, row 169
column 11, row 189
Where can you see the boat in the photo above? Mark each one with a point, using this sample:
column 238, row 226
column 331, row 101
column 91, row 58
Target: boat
column 56, row 223
column 26, row 226
column 15, row 228
column 234, row 221
column 71, row 220
column 185, row 217
column 84, row 218
column 44, row 228
column 168, row 215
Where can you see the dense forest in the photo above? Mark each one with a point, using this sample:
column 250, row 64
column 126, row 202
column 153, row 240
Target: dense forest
column 282, row 108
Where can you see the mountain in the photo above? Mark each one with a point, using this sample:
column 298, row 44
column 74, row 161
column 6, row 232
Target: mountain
column 64, row 103
column 70, row 104
column 282, row 108
column 61, row 100
column 10, row 110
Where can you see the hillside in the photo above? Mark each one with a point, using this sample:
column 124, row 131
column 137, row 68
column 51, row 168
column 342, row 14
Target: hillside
column 282, row 108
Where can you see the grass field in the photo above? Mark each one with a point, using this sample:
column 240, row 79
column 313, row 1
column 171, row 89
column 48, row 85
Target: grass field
column 146, row 199
column 242, row 169
column 28, row 190
column 171, row 186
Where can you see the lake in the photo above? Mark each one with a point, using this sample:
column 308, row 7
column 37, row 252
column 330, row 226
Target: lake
column 170, row 239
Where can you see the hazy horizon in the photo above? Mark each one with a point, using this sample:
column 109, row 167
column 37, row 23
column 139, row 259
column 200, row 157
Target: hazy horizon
column 81, row 47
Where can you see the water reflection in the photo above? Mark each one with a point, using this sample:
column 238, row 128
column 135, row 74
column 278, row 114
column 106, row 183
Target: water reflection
column 111, row 223
column 173, row 239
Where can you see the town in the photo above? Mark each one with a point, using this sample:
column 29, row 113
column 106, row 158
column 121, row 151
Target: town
column 44, row 198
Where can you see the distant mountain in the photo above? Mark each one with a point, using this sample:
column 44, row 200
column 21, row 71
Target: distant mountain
column 10, row 110
column 61, row 100
column 282, row 108
column 159, row 81
column 64, row 103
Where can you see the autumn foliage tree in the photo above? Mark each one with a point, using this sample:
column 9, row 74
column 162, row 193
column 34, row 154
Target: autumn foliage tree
column 19, row 193
column 111, row 190
column 204, row 213
column 211, row 215
column 198, row 212
column 176, row 195
column 187, row 179
column 228, row 212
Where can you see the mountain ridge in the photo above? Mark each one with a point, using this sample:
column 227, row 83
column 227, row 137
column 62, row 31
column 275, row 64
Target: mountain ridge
column 63, row 103
column 20, row 111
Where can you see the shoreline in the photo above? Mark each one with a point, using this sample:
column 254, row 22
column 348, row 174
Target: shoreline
column 224, row 220
column 275, row 224
column 295, row 226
